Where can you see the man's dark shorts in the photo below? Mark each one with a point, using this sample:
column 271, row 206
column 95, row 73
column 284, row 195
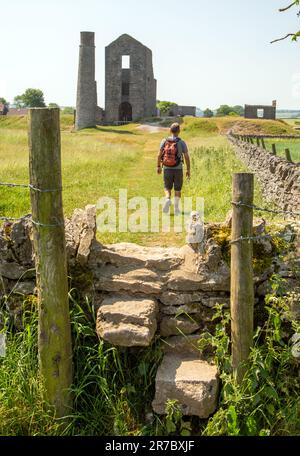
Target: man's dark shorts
column 173, row 177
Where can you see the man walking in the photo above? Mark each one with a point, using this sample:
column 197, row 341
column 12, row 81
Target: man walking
column 173, row 152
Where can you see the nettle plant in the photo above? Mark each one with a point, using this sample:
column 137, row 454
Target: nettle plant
column 268, row 401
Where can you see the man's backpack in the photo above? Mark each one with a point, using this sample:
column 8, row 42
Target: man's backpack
column 170, row 156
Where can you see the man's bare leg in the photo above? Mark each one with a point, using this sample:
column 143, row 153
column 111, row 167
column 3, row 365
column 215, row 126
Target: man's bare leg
column 168, row 193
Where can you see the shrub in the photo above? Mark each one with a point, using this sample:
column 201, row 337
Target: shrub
column 267, row 402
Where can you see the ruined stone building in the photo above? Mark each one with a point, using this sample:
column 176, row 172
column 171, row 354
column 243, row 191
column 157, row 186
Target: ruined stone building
column 180, row 111
column 130, row 87
column 261, row 111
column 3, row 109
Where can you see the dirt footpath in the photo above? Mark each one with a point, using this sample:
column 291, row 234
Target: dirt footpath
column 150, row 128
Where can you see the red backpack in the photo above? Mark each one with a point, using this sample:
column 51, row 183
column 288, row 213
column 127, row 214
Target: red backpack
column 170, row 156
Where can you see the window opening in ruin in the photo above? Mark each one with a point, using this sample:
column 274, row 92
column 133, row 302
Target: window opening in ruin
column 260, row 113
column 125, row 62
column 125, row 88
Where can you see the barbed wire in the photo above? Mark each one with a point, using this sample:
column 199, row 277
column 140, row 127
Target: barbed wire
column 12, row 219
column 47, row 225
column 264, row 209
column 32, row 187
column 29, row 217
column 263, row 236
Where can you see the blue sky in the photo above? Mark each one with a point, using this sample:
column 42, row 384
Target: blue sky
column 205, row 53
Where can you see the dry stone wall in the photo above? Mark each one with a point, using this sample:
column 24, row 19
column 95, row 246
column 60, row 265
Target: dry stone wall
column 140, row 293
column 279, row 179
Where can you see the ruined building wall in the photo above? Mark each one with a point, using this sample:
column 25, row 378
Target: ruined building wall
column 251, row 112
column 86, row 102
column 138, row 80
column 184, row 111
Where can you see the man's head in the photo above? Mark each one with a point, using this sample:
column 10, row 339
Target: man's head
column 175, row 129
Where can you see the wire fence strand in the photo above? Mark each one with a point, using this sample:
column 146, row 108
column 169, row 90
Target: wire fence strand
column 284, row 236
column 264, row 209
column 30, row 186
column 29, row 217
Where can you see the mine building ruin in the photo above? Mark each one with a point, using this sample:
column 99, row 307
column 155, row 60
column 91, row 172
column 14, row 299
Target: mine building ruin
column 130, row 86
column 261, row 111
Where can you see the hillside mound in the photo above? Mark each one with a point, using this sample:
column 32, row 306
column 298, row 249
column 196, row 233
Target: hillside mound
column 238, row 125
column 21, row 122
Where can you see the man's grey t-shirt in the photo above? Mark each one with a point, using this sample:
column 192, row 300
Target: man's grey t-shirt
column 182, row 149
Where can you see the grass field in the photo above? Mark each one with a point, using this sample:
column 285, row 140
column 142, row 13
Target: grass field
column 292, row 122
column 113, row 387
column 281, row 144
column 98, row 162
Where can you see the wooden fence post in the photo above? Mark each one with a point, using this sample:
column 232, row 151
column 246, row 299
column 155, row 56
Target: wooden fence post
column 54, row 332
column 288, row 155
column 274, row 149
column 263, row 143
column 257, row 141
column 242, row 288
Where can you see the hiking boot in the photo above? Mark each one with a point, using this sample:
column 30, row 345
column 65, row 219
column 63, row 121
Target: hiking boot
column 167, row 206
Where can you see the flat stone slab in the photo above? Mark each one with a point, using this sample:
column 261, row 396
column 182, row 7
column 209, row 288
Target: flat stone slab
column 15, row 271
column 145, row 281
column 189, row 282
column 172, row 326
column 171, row 298
column 25, row 288
column 190, row 309
column 184, row 281
column 126, row 253
column 127, row 321
column 182, row 344
column 192, row 382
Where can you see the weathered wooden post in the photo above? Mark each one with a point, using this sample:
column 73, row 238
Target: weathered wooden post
column 274, row 149
column 263, row 143
column 288, row 155
column 251, row 140
column 257, row 141
column 54, row 333
column 242, row 288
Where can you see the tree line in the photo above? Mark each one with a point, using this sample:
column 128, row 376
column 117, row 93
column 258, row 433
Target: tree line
column 224, row 110
column 33, row 98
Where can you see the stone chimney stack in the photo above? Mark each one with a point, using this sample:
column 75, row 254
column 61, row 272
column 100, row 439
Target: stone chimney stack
column 274, row 103
column 86, row 102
